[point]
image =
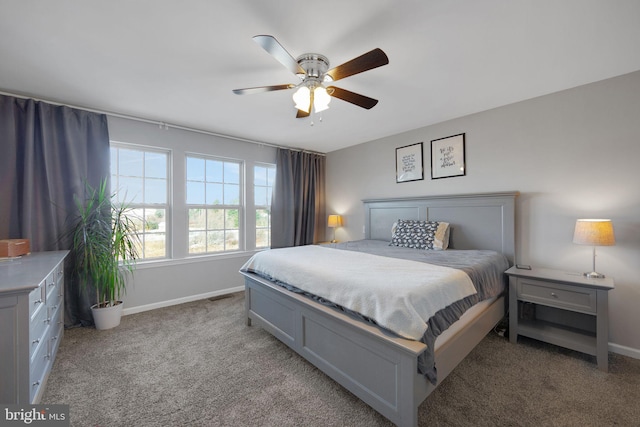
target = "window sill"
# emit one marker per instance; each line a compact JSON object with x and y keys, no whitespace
{"x":145,"y":264}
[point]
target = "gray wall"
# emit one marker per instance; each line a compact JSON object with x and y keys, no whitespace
{"x":572,"y":154}
{"x":160,"y":283}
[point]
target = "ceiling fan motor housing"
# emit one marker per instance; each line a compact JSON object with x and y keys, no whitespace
{"x":314,"y":65}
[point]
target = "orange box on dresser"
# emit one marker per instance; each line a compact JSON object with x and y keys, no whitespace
{"x":14,"y":247}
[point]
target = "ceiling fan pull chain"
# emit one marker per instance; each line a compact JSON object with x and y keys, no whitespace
{"x":313,"y":115}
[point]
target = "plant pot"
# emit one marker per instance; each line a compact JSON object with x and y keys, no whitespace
{"x":107,"y":317}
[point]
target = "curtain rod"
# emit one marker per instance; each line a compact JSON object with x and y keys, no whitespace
{"x":164,"y":125}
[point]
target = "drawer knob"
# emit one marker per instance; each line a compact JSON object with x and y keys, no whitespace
{"x":38,"y":302}
{"x":553,"y":294}
{"x":37,"y":383}
{"x":35,"y":341}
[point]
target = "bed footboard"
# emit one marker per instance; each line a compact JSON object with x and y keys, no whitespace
{"x":378,"y":367}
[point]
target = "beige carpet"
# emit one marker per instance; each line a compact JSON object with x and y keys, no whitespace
{"x":197,"y":364}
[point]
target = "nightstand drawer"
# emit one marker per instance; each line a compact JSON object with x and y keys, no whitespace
{"x":558,"y":295}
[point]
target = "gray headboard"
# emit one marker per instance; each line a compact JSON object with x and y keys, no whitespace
{"x":478,"y":221}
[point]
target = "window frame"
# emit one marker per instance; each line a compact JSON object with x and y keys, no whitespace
{"x":267,"y":207}
{"x":240,"y":207}
{"x":167,"y":206}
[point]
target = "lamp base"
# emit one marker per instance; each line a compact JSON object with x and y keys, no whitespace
{"x":594,"y":275}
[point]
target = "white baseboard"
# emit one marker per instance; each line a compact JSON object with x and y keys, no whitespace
{"x":625,"y":351}
{"x":147,"y":307}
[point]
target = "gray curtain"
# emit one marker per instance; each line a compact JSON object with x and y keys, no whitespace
{"x":298,"y":205}
{"x":48,"y":153}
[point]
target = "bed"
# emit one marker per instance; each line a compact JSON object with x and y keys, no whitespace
{"x":380,"y":367}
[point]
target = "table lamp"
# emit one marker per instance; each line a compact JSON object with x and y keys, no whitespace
{"x":594,"y":232}
{"x":333,"y":222}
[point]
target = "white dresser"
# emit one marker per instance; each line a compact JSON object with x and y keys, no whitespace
{"x":31,"y":323}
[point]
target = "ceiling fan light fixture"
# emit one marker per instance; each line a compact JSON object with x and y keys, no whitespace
{"x":321,"y":99}
{"x":304,"y":95}
{"x":302,"y":98}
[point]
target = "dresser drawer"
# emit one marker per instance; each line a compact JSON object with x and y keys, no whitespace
{"x":37,"y":330}
{"x":56,"y":334}
{"x":36,"y":299}
{"x":54,"y":300}
{"x":557,"y":295}
{"x":56,"y":316}
{"x":39,"y":366}
{"x":54,"y":281}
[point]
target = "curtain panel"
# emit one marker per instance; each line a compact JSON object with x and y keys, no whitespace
{"x":48,"y":154}
{"x":298,"y":205}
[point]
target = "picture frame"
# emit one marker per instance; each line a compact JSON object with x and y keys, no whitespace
{"x":448,"y":157}
{"x":409,"y":165}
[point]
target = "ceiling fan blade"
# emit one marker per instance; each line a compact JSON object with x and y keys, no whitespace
{"x":275,"y":49}
{"x":302,"y":114}
{"x":352,"y":97}
{"x":261,"y":89}
{"x":368,"y":61}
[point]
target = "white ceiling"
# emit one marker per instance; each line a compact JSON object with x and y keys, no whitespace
{"x":177,"y":61}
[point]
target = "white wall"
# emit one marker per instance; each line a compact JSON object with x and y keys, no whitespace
{"x":161,"y":283}
{"x":572,"y":154}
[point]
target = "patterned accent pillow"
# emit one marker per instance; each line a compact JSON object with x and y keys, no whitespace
{"x":429,"y":235}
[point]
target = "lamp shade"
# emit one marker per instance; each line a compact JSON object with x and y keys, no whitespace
{"x":302,"y":98}
{"x":321,"y":99}
{"x":334,"y":221}
{"x":594,"y":232}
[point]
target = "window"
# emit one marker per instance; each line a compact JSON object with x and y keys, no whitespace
{"x":214,"y":207}
{"x":263,"y":179}
{"x":139,"y":177}
{"x":219,"y":211}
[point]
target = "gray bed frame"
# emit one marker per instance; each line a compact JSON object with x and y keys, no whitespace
{"x":378,"y":367}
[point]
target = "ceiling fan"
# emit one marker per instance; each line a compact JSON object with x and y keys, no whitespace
{"x":313,"y":70}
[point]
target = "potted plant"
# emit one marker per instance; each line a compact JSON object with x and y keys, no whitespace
{"x":103,"y":250}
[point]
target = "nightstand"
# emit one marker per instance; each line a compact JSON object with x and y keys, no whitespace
{"x":561,"y":308}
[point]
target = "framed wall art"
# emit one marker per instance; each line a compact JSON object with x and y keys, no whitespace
{"x":447,"y":157}
{"x":409,"y":163}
